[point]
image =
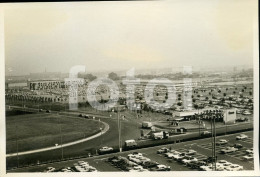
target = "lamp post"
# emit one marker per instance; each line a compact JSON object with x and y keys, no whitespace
{"x":17,"y":156}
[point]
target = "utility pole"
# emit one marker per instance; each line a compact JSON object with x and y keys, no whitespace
{"x":212,"y":149}
{"x":16,"y":146}
{"x":61,"y":141}
{"x":215,"y":143}
{"x":119,"y":130}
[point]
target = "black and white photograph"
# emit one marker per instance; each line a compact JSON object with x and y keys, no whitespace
{"x":169,"y":87}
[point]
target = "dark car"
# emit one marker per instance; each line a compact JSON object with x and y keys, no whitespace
{"x":150,"y":164}
{"x":238,"y":145}
{"x":48,"y":111}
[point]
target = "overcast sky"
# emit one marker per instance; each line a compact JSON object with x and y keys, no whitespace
{"x":122,"y":35}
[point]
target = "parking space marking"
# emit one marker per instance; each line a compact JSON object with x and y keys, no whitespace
{"x":237,"y":155}
{"x":248,"y":140}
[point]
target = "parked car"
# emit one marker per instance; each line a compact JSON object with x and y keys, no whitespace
{"x":234,"y":167}
{"x":161,"y":168}
{"x":228,"y":150}
{"x":238,"y":145}
{"x":162,"y":150}
{"x":188,"y":159}
{"x":221,"y":142}
{"x":206,"y":133}
{"x":246,"y":113}
{"x":150,"y":164}
{"x":241,"y":137}
{"x":250,"y":151}
{"x":48,"y":111}
{"x":248,"y":157}
{"x":105,"y":149}
{"x":190,"y":152}
{"x":50,"y":169}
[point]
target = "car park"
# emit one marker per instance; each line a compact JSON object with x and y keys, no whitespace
{"x":241,"y":137}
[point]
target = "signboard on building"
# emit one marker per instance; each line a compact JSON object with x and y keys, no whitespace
{"x":230,"y":116}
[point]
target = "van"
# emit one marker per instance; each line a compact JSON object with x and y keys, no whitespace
{"x":130,"y":143}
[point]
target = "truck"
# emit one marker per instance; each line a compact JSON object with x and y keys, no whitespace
{"x":147,"y":125}
{"x":160,"y":135}
{"x":130,"y":143}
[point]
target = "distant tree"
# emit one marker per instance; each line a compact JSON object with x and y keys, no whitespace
{"x":250,"y":101}
{"x":234,"y":92}
{"x":179,"y":95}
{"x":224,"y":94}
{"x":113,"y":76}
{"x":196,"y":106}
{"x":207,"y":98}
{"x":219,"y":91}
{"x":193,"y":100}
{"x":210,"y":102}
{"x":242,"y":90}
{"x":198,"y":95}
{"x":179,"y":103}
{"x":250,"y":93}
{"x":89,"y":77}
{"x":230,"y":98}
{"x":179,"y":99}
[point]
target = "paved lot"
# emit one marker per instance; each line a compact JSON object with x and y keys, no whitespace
{"x":202,"y":147}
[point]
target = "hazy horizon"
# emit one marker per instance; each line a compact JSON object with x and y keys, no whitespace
{"x":107,"y":36}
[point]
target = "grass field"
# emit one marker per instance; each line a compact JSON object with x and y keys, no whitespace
{"x":34,"y":131}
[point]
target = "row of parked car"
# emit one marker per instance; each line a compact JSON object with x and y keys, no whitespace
{"x":136,"y":162}
{"x":82,"y":166}
{"x":206,"y":164}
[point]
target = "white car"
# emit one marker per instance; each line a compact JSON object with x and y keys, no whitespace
{"x":177,"y":156}
{"x":187,"y":160}
{"x":136,"y":154}
{"x":241,"y":137}
{"x":206,"y":168}
{"x":228,"y":150}
{"x":246,"y":113}
{"x":50,"y":169}
{"x":106,"y":149}
{"x":234,"y":167}
{"x":222,"y":161}
{"x":221,"y":142}
{"x":250,"y":151}
{"x":248,"y":157}
{"x":169,"y":155}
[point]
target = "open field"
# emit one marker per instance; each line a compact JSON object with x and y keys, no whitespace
{"x":34,"y":131}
